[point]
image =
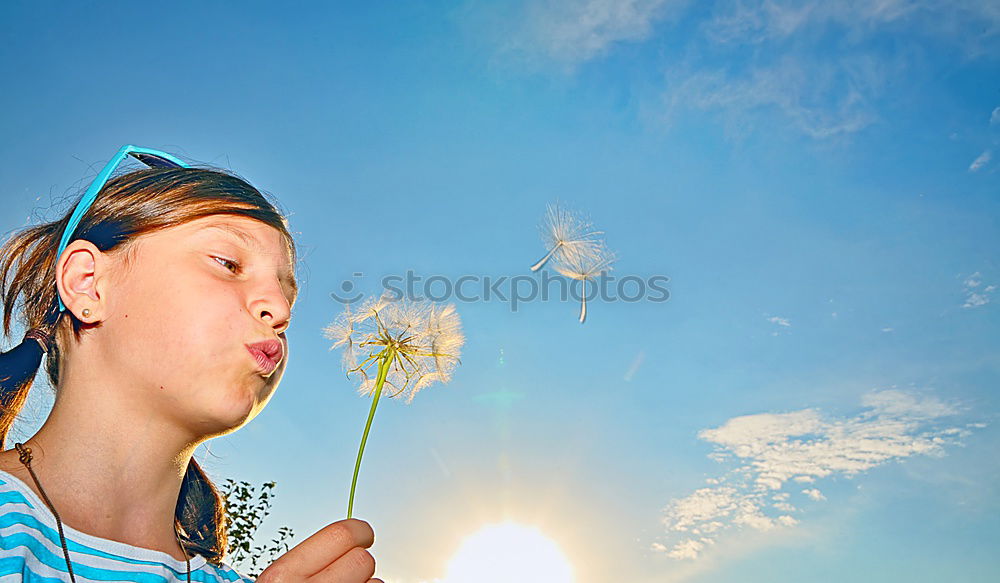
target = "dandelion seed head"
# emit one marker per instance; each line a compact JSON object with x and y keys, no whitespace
{"x":403,"y":318}
{"x":424,"y":339}
{"x":371,"y":306}
{"x":565,"y":227}
{"x":444,"y":339}
{"x":341,"y":330}
{"x":577,"y":250}
{"x":585,"y":262}
{"x":343,"y":333}
{"x":564,"y":231}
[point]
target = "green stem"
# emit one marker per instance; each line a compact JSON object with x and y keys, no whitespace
{"x":383,"y":370}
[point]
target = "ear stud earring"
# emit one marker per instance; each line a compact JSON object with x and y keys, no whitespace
{"x":86,"y":312}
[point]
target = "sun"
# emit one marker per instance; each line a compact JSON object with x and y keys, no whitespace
{"x":507,"y":552}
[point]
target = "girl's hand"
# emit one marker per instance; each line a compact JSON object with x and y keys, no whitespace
{"x":335,"y":554}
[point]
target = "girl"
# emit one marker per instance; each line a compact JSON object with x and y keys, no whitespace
{"x":160,"y":305}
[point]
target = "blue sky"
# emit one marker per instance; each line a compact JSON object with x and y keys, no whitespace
{"x":816,"y":400}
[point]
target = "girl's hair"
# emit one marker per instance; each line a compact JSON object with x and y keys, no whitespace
{"x":128,"y":206}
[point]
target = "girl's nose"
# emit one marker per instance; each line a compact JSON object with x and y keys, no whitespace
{"x":279,"y":324}
{"x":273,"y":308}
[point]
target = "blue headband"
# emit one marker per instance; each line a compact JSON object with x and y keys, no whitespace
{"x":151,"y":158}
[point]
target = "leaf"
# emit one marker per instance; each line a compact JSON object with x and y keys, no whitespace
{"x":245,"y":511}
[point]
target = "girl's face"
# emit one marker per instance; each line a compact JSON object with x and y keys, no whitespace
{"x":178,"y":320}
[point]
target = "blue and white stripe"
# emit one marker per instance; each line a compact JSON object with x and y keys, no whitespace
{"x":30,"y":550}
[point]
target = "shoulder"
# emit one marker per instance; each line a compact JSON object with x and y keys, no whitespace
{"x":10,"y":462}
{"x":16,"y":498}
{"x":10,"y":465}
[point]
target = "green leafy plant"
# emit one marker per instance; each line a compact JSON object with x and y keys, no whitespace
{"x":245,"y":510}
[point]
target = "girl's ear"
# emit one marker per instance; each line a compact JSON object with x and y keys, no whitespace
{"x":81,"y":274}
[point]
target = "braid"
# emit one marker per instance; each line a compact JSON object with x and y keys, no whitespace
{"x":200,"y":511}
{"x":17,"y":371}
{"x":25,"y":261}
{"x":18,"y":367}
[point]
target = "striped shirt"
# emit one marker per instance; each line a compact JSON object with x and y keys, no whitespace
{"x":30,"y":550}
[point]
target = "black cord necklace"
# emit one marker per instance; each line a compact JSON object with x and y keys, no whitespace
{"x":26,"y":460}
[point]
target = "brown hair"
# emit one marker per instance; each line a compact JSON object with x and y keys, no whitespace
{"x":129,"y":205}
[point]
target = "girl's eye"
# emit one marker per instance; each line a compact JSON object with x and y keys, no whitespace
{"x":226,"y":262}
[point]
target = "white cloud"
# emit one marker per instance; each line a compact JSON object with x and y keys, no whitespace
{"x":770,"y":450}
{"x":688,"y":549}
{"x":975,"y":300}
{"x":820,"y":98}
{"x":975,"y":297}
{"x":982,"y":160}
{"x":576,"y":31}
{"x":995,"y":116}
{"x":901,"y":405}
{"x":758,"y":21}
{"x":821,"y":90}
{"x":572,"y":32}
{"x":779,"y":321}
{"x":698,"y":512}
{"x":968,"y":23}
{"x":814,"y":493}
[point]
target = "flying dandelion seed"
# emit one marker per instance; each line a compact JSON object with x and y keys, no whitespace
{"x":584,"y":264}
{"x":408,"y":345}
{"x":341,"y":331}
{"x":565,"y":232}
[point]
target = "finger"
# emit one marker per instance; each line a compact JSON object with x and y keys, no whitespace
{"x":356,"y":566}
{"x":323,"y":548}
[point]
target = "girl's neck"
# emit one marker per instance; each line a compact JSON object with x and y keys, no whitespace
{"x":10,"y":463}
{"x":105,"y":482}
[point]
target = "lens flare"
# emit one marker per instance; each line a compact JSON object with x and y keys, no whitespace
{"x":506,"y":552}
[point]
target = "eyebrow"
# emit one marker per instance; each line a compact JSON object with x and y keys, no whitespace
{"x":254,"y":243}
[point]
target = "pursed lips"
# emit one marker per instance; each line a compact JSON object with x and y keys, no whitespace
{"x":267,"y":354}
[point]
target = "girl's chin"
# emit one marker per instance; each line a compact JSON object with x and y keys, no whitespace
{"x":238,"y":407}
{"x":225,"y":424}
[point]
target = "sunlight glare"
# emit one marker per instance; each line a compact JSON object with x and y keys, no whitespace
{"x":506,"y":552}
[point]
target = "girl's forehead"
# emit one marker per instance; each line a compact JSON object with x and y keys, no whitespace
{"x":253,"y":234}
{"x":235,"y":223}
{"x":256,"y":236}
